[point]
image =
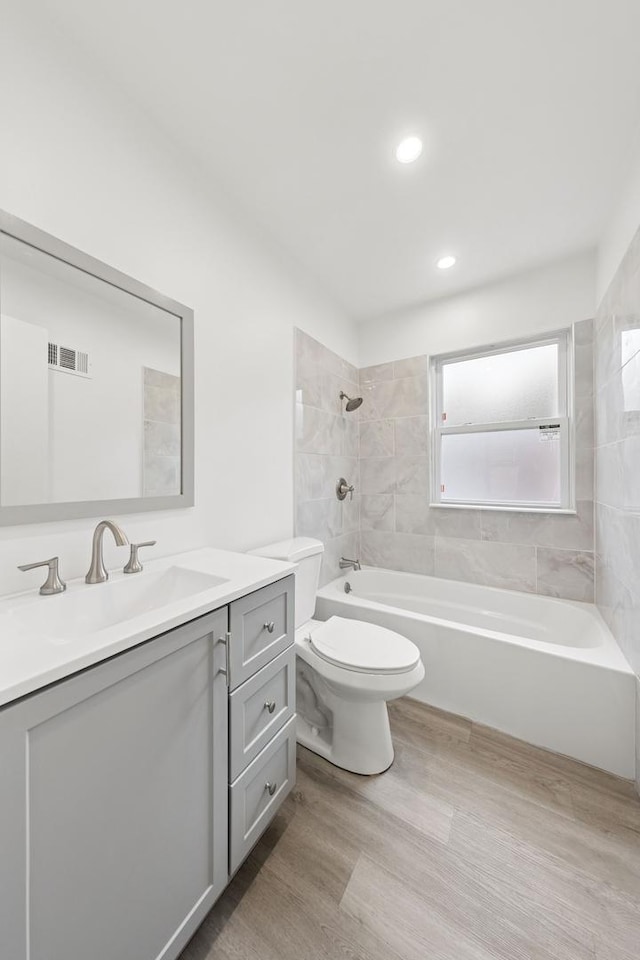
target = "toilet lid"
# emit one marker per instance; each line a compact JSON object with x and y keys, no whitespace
{"x":365,"y":647}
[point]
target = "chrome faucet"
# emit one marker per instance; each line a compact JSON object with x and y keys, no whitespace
{"x":97,"y":572}
{"x":344,"y":563}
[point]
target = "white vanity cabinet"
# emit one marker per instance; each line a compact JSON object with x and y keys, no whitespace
{"x":116,"y":789}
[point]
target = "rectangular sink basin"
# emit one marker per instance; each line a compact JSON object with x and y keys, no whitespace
{"x":84,"y":610}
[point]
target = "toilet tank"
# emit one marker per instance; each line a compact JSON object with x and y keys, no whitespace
{"x":307,"y":553}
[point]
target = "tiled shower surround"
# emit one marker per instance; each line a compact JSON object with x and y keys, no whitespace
{"x":617,"y":379}
{"x":326,"y":449}
{"x":543,"y":553}
{"x":161,"y":425}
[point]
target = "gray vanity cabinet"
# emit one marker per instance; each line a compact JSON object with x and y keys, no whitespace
{"x":122,"y":810}
{"x":114,"y":803}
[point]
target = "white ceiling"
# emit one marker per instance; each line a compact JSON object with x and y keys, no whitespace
{"x":528,"y":110}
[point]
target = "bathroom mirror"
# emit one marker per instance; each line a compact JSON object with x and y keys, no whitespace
{"x":96,"y":386}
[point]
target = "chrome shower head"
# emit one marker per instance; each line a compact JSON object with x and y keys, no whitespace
{"x":352,"y":402}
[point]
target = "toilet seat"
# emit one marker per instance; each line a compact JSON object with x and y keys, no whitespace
{"x":363,"y":647}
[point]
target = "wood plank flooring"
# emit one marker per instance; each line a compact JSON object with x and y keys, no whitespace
{"x":473,"y":846}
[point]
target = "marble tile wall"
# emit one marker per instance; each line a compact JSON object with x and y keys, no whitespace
{"x":538,"y":553}
{"x":384,"y":450}
{"x":162,"y":475}
{"x":617,"y":384}
{"x":326,"y":448}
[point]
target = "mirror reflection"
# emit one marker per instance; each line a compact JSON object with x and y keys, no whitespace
{"x":90,"y":386}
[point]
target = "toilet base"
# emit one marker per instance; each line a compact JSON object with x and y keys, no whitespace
{"x":358,"y":738}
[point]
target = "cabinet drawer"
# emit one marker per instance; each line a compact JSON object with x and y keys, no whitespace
{"x":262,"y":626}
{"x":258,"y":708}
{"x":258,"y":792}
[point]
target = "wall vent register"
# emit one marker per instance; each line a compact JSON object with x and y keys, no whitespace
{"x":68,"y":360}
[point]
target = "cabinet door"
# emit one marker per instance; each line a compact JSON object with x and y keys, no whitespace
{"x":113,"y":800}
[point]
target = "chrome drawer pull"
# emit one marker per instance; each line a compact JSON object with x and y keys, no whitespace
{"x":271,"y":787}
{"x":227,"y":665}
{"x":270,"y":705}
{"x":270,"y":626}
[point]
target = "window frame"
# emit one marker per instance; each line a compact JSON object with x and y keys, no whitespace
{"x":437,"y":429}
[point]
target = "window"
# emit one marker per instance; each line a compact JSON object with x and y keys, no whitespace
{"x":501,"y":430}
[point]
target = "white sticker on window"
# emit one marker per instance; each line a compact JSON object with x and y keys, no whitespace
{"x":549,"y":431}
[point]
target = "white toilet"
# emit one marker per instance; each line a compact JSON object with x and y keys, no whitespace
{"x":346,"y":670}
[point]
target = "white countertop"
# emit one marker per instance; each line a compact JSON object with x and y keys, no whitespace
{"x":32,"y":656}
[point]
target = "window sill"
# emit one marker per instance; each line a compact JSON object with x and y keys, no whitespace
{"x":560,"y":511}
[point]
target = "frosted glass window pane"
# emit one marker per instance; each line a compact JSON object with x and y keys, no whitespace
{"x":629,"y":344}
{"x":503,"y":466}
{"x":631,"y":385}
{"x":506,"y":386}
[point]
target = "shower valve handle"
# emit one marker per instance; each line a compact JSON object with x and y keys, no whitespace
{"x":343,"y":488}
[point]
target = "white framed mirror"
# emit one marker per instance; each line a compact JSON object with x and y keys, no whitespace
{"x":96,"y":386}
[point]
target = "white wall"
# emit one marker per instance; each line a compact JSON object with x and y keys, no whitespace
{"x":79,"y":161}
{"x":620,"y":228}
{"x":545,"y":299}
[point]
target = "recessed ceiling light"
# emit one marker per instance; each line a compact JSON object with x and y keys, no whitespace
{"x":409,"y":150}
{"x":445,"y":262}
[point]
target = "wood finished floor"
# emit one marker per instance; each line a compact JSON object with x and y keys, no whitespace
{"x":473,"y":846}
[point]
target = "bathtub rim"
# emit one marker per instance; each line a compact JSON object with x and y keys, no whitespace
{"x":606,"y":655}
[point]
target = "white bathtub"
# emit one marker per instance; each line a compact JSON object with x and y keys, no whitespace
{"x":546,"y":671}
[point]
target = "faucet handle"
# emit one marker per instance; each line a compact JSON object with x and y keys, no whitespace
{"x":134,"y":565}
{"x":53,"y":584}
{"x":343,"y":488}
